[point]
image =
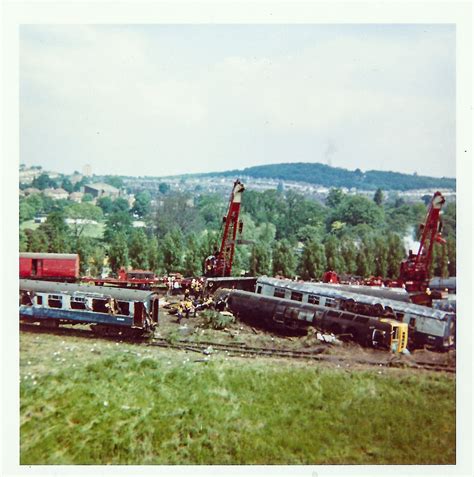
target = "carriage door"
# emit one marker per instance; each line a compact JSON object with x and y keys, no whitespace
{"x":138,"y":314}
{"x":154,"y":308}
{"x":36,"y":267}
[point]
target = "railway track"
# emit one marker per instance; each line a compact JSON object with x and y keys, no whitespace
{"x":208,"y":348}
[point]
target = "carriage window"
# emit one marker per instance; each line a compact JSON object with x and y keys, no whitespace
{"x":347,"y":316}
{"x":55,"y":301}
{"x":39,"y":300}
{"x":279,"y":293}
{"x":26,"y":298}
{"x":123,"y":308}
{"x":330,"y":303}
{"x":313,"y":299}
{"x":259,"y":289}
{"x":297,"y":296}
{"x":100,"y":306}
{"x":78,"y":303}
{"x":362,"y":319}
{"x":412,"y":321}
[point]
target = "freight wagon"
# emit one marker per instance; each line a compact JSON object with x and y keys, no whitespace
{"x":50,"y":266}
{"x":426,"y":325}
{"x":284,"y":314}
{"x":103,"y":307}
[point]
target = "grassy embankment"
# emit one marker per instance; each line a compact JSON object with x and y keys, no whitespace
{"x":96,"y":402}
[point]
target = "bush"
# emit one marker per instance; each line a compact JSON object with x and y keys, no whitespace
{"x":215,"y":320}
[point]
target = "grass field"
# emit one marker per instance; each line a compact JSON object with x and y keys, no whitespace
{"x":92,"y":230}
{"x":103,"y":402}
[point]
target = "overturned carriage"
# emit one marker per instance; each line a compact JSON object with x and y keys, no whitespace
{"x":105,"y":307}
{"x":285,"y":314}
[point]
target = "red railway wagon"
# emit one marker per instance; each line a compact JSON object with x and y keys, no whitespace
{"x":50,"y":266}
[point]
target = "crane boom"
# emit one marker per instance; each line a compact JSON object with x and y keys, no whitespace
{"x":220,"y":263}
{"x":414,"y":270}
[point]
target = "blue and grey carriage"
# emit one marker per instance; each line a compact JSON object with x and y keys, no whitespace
{"x":104,"y":307}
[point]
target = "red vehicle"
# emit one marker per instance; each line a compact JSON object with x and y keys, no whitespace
{"x":61,"y":267}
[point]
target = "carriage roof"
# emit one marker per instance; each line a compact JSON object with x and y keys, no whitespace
{"x":333,"y":292}
{"x":85,"y":290}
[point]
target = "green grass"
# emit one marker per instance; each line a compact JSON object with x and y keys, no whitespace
{"x":92,"y":230}
{"x":124,"y":405}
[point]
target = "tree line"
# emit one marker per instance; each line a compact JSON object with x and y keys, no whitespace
{"x":289,"y":234}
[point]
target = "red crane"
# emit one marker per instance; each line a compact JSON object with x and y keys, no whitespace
{"x":220,"y":263}
{"x":414,"y":270}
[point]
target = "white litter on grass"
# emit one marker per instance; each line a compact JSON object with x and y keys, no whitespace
{"x":106,"y":403}
{"x":34,"y":383}
{"x":29,"y":362}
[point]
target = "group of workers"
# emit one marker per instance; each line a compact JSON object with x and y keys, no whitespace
{"x":194,"y":300}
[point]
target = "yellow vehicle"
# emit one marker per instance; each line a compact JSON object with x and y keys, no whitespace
{"x":398,"y":335}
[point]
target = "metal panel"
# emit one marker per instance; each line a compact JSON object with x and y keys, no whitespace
{"x":89,"y":290}
{"x":44,"y":313}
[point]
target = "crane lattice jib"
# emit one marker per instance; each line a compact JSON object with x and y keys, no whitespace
{"x":230,"y":229}
{"x":430,"y":233}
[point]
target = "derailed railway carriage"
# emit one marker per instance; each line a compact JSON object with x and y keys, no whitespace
{"x":284,"y":314}
{"x":426,"y":325}
{"x":103,"y":307}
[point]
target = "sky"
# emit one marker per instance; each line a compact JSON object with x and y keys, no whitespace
{"x":159,"y":100}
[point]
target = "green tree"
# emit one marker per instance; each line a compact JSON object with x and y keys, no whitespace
{"x":138,"y":250}
{"x":163,"y":187}
{"x":57,"y":231}
{"x":349,"y":256}
{"x":23,"y":241}
{"x":117,"y":222}
{"x":356,"y":210}
{"x":334,"y":259}
{"x":284,"y":261}
{"x":155,"y":258}
{"x":121,"y":205}
{"x":87,"y":197}
{"x":37,"y":240}
{"x":451,"y":249}
{"x":106,"y":204}
{"x":260,"y":259}
{"x":141,"y":206}
{"x":118,"y":252}
{"x":27,"y":212}
{"x":66,"y":184}
{"x":396,"y":253}
{"x":193,"y":259}
{"x":334,"y":198}
{"x":43,"y":181}
{"x":173,"y":251}
{"x":82,"y":215}
{"x":378,"y":197}
{"x":313,"y":260}
{"x":381,"y":256}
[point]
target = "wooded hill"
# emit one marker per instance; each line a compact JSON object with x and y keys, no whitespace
{"x":324,"y":175}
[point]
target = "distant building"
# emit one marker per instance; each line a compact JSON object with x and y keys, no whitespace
{"x":56,"y":193}
{"x":101,"y":189}
{"x":76,"y":196}
{"x":31,"y":190}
